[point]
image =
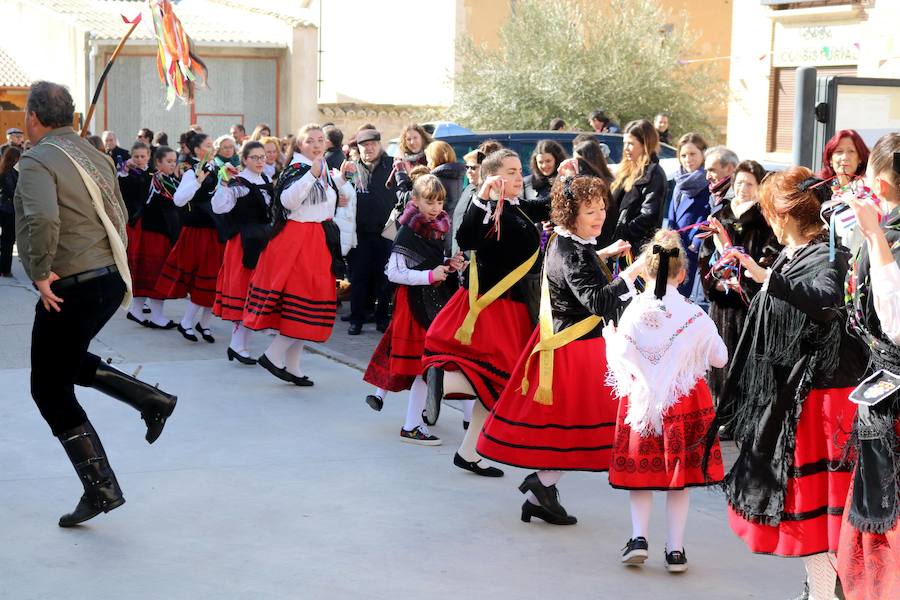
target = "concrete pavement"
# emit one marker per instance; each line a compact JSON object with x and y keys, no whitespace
{"x":261,"y":490}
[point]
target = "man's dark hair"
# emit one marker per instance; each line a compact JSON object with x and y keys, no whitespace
{"x":161,"y":139}
{"x":145,"y":133}
{"x":240,"y":128}
{"x":600,"y":115}
{"x":52,"y":104}
{"x":557,"y":124}
{"x":335,"y":136}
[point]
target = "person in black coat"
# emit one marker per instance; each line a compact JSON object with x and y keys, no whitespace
{"x":374,"y":202}
{"x":639,"y":189}
{"x":118,"y":154}
{"x":9,"y":178}
{"x":334,"y":140}
{"x":545,"y":161}
{"x":442,"y":162}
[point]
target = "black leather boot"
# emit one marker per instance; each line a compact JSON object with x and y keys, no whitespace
{"x":154,"y":405}
{"x":435,"y":395}
{"x":101,"y":490}
{"x":548,"y":496}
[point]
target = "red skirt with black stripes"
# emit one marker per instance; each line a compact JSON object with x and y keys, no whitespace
{"x":817,"y":484}
{"x":292,"y":289}
{"x":500,"y":335}
{"x":397,"y":359}
{"x":233,"y":282}
{"x":575,"y":432}
{"x":672,"y":460}
{"x":193,"y":266}
{"x":147,"y":253}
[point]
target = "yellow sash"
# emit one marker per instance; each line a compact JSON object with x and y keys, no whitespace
{"x":550,"y":341}
{"x":476,"y":304}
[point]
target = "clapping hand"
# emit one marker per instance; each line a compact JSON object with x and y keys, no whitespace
{"x":568,"y":167}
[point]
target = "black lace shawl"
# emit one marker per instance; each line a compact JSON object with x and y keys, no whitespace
{"x":875,"y":505}
{"x":425,"y":301}
{"x":790,"y":344}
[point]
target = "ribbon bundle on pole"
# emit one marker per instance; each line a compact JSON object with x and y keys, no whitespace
{"x":177,"y":62}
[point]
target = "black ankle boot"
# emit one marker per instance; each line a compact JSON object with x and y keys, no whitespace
{"x":548,"y":496}
{"x":101,"y":490}
{"x":435,"y":395}
{"x":154,"y":405}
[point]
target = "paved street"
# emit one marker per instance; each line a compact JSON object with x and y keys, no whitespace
{"x":261,"y":490}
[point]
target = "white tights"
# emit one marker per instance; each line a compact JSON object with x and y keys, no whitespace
{"x":821,"y":575}
{"x":189,"y":320}
{"x":156,"y":311}
{"x":286,"y":352}
{"x":416,"y":404}
{"x":678,"y":503}
{"x":239,"y":339}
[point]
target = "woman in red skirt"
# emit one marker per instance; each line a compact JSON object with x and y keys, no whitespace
{"x":660,"y":352}
{"x":150,"y":240}
{"x":557,"y":413}
{"x":292,"y":290}
{"x":246,"y":198}
{"x":473,"y":344}
{"x":135,"y":179}
{"x":869,"y":550}
{"x":789,"y":381}
{"x":418,"y":267}
{"x":193,"y":264}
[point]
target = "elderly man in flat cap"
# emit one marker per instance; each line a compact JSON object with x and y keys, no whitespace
{"x":14,"y":137}
{"x":70,"y":227}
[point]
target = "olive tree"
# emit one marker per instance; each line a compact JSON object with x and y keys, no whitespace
{"x":568,"y":57}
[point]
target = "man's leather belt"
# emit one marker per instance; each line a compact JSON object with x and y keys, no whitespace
{"x":72,"y":280}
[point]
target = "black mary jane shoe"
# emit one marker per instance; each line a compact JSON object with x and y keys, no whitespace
{"x":206,"y":334}
{"x":184,"y":333}
{"x":548,"y":496}
{"x":303,"y":381}
{"x":474,"y":467}
{"x":533,"y":510}
{"x":141,"y":322}
{"x":244,"y":360}
{"x":281,"y":373}
{"x":170,"y":325}
{"x":374,"y":402}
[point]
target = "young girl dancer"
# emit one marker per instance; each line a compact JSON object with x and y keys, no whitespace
{"x":418,"y":267}
{"x":474,"y":342}
{"x":657,"y":357}
{"x":246,"y":198}
{"x":150,"y":240}
{"x":292,"y":290}
{"x":869,"y":550}
{"x":557,"y":414}
{"x":790,"y":377}
{"x":134,"y":183}
{"x":193,"y":264}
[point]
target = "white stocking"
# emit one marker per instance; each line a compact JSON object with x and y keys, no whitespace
{"x":821,"y":575}
{"x":190,"y":315}
{"x":641,"y":504}
{"x":137,"y":308}
{"x":380,"y":392}
{"x":292,"y":358}
{"x":156,"y":312}
{"x":467,"y":448}
{"x":467,"y":406}
{"x":239,"y":338}
{"x":277,"y":350}
{"x":205,"y":317}
{"x":416,"y":404}
{"x":678,"y":503}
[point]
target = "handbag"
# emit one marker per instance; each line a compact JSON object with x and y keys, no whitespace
{"x":390,"y":228}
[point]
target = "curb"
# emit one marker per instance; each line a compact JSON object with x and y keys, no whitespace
{"x":340,"y":357}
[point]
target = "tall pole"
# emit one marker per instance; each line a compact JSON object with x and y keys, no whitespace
{"x":804,"y":117}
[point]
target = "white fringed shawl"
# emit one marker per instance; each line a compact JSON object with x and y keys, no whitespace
{"x":658,"y":352}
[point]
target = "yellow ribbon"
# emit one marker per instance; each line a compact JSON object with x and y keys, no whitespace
{"x":550,"y":341}
{"x":476,"y":304}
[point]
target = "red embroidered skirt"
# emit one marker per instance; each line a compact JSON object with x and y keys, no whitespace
{"x":501,"y":333}
{"x":232,"y":284}
{"x":147,"y":253}
{"x":292,"y":289}
{"x":575,"y":432}
{"x":672,"y":460}
{"x":815,"y":496}
{"x":398,"y":358}
{"x":869,"y":563}
{"x":193,"y":266}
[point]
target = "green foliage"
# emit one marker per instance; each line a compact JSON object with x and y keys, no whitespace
{"x":565,"y":58}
